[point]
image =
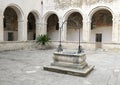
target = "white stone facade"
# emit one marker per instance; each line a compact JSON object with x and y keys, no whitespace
{"x":43,"y":9}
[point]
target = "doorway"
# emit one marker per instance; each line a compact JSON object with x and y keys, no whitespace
{"x":10,"y":36}
{"x":98,"y":40}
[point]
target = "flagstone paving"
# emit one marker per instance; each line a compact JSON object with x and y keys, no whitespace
{"x":25,"y":67}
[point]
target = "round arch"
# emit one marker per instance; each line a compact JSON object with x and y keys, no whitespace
{"x":45,"y":18}
{"x":20,"y":19}
{"x":47,"y":14}
{"x":17,"y":9}
{"x":95,"y":9}
{"x":101,"y":25}
{"x":36,"y":14}
{"x":51,"y":25}
{"x":34,"y":30}
{"x":72,"y":34}
{"x":68,"y":13}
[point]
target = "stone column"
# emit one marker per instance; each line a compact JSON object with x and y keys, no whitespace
{"x":38,"y":29}
{"x":119,"y":30}
{"x":43,"y":28}
{"x":86,"y":29}
{"x":22,"y":30}
{"x":64,"y":30}
{"x":1,"y":28}
{"x":115,"y":30}
{"x":1,"y":22}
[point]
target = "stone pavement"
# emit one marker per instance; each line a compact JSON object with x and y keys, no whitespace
{"x":25,"y":67}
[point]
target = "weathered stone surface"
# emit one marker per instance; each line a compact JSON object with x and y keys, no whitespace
{"x":16,"y":45}
{"x":69,"y":60}
{"x":63,"y":9}
{"x":26,"y":67}
{"x":70,"y":63}
{"x":78,"y":3}
{"x":76,"y":72}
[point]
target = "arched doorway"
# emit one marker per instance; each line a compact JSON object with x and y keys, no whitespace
{"x":101,"y":27}
{"x":31,"y":27}
{"x":10,"y":24}
{"x":53,"y":27}
{"x":72,"y":28}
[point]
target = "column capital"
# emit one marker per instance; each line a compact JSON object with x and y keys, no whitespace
{"x":3,"y":16}
{"x":60,"y":18}
{"x":44,"y":23}
{"x":86,"y":29}
{"x":86,"y":21}
{"x":101,"y":1}
{"x":116,"y":17}
{"x":20,"y":20}
{"x":38,"y":23}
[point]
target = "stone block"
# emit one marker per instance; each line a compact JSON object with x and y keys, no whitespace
{"x":70,"y":63}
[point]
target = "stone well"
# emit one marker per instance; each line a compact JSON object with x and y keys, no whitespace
{"x":70,"y":63}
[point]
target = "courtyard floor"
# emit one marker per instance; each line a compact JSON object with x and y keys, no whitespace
{"x":25,"y":67}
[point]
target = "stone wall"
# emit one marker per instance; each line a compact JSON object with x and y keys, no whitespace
{"x":87,"y":46}
{"x":9,"y":46}
{"x":42,"y":9}
{"x":31,"y":45}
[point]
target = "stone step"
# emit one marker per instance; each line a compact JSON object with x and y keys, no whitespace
{"x":82,"y":72}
